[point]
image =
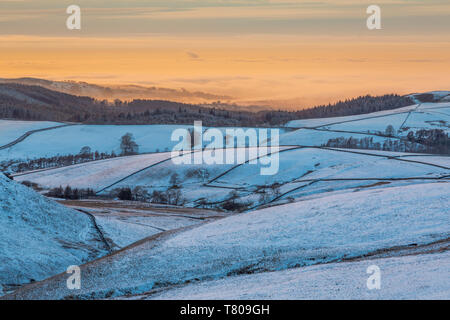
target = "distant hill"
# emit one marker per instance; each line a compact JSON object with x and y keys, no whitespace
{"x":18,"y":101}
{"x":123,"y":92}
{"x":32,"y":102}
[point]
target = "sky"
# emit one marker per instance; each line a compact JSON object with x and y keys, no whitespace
{"x":283,"y":53}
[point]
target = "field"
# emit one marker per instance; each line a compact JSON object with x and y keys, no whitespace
{"x":226,"y":231}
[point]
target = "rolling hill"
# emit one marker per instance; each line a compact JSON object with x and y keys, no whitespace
{"x":306,"y":233}
{"x":328,"y":213}
{"x":40,"y":238}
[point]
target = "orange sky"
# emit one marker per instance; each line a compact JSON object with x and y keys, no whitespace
{"x":283,"y":53}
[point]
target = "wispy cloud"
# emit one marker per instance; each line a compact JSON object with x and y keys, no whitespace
{"x":46,"y":17}
{"x":193,"y":55}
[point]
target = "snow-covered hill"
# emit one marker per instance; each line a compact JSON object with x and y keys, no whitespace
{"x":97,"y":174}
{"x":40,"y":238}
{"x":407,"y":277}
{"x":102,"y":138}
{"x":295,"y":235}
{"x":403,"y":120}
{"x":324,"y":205}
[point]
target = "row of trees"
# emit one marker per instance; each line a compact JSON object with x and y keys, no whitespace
{"x":69,"y":193}
{"x":434,"y":141}
{"x":171,"y":196}
{"x":128,"y":146}
{"x":85,"y":155}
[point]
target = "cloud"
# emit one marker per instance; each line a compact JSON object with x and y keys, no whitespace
{"x":47,"y":17}
{"x":193,"y":55}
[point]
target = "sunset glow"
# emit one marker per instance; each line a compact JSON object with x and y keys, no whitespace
{"x":288,"y":54}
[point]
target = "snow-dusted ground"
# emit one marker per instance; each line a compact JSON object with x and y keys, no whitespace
{"x":101,"y":138}
{"x":309,"y":163}
{"x":408,"y":277}
{"x":10,"y":130}
{"x":156,"y":138}
{"x":124,"y":223}
{"x":305,"y":190}
{"x":188,"y":174}
{"x":345,"y":203}
{"x":40,"y":238}
{"x":208,"y":182}
{"x":310,"y":137}
{"x":96,"y":174}
{"x":443,"y":161}
{"x":290,"y":236}
{"x":371,"y":125}
{"x":416,"y":117}
{"x":141,"y":170}
{"x":430,"y":119}
{"x":313,"y":123}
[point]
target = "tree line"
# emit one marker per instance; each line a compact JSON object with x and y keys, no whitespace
{"x":18,"y":166}
{"x":434,"y":141}
{"x":128,"y":146}
{"x":24,"y":102}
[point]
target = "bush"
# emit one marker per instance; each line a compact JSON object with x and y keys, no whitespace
{"x":125,"y":194}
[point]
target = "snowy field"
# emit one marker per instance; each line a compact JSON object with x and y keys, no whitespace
{"x":310,"y":137}
{"x":416,"y":117}
{"x":274,"y":239}
{"x":307,"y":232}
{"x":371,"y":125}
{"x":213,"y":183}
{"x":315,"y":123}
{"x":309,"y":163}
{"x":430,"y":118}
{"x":402,"y":278}
{"x":131,"y":171}
{"x":96,"y":174}
{"x":101,"y":138}
{"x":124,"y":223}
{"x":11,"y":130}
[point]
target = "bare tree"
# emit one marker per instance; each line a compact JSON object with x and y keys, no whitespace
{"x":390,"y":131}
{"x":128,"y":145}
{"x":85,"y":151}
{"x":174,"y":180}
